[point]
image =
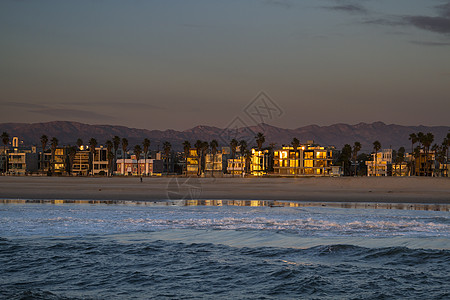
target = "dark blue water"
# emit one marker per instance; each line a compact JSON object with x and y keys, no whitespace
{"x":126,"y":252}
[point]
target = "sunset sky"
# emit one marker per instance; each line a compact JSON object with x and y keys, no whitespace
{"x":177,"y":64}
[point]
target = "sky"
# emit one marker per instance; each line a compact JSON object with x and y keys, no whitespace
{"x":175,"y":64}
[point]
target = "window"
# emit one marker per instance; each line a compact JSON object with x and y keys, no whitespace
{"x":309,"y":155}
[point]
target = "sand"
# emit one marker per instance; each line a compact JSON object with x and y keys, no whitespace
{"x":344,"y":189}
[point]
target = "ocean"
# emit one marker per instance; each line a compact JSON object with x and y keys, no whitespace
{"x":221,"y":250}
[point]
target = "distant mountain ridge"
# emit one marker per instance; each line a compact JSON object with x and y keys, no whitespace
{"x":390,"y":136}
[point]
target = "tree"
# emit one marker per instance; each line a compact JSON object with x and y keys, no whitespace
{"x":167,"y":147}
{"x":242,"y":149}
{"x":44,"y":141}
{"x":137,"y":153}
{"x":79,"y":143}
{"x":54,"y":144}
{"x":5,"y":141}
{"x":124,"y":148}
{"x":400,"y":158}
{"x":109,"y":146}
{"x":446,"y":146}
{"x":116,"y":144}
{"x":260,"y":139}
{"x":426,"y":142}
{"x":356,"y":148}
{"x":247,"y":156}
{"x":198,"y":146}
{"x":146,"y":145}
{"x":233,"y":145}
{"x":71,"y":152}
{"x":295,"y":144}
{"x":376,"y":148}
{"x":186,"y":148}
{"x":414,"y":139}
{"x":214,"y":144}
{"x":92,"y":145}
{"x":345,"y":158}
{"x":205,"y":146}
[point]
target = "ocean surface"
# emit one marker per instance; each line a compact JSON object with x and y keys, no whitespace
{"x":182,"y":251}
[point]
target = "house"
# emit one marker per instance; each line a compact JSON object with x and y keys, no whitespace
{"x":306,"y":160}
{"x":236,"y":166}
{"x":259,"y":162}
{"x":22,"y":162}
{"x":132,"y":167}
{"x":381,"y":163}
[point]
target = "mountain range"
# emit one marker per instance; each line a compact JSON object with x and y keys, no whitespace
{"x":389,"y":135}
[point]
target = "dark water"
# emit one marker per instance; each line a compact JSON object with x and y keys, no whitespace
{"x":47,"y":257}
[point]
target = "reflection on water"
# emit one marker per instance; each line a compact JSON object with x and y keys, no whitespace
{"x":253,"y":203}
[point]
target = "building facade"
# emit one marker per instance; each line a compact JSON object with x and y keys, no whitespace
{"x":307,"y":160}
{"x":381,"y":163}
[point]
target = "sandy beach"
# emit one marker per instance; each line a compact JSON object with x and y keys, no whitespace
{"x":345,"y":189}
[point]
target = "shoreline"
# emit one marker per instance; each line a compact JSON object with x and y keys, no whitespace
{"x":401,"y":190}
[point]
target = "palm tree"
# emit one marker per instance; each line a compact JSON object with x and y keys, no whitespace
{"x":54,"y":145}
{"x":124,"y":152}
{"x":71,"y":151}
{"x":116,"y":144}
{"x":260,"y":139}
{"x":214,"y":144}
{"x":5,"y":141}
{"x":199,"y":146}
{"x":356,"y":148}
{"x":167,"y":147}
{"x":233,"y":146}
{"x":401,"y":157}
{"x":186,"y":148}
{"x":446,"y":145}
{"x":109,"y":146}
{"x":44,"y":141}
{"x":242,"y":149}
{"x":92,"y":145}
{"x":376,"y":148}
{"x":137,"y":153}
{"x":247,"y":155}
{"x":146,"y":145}
{"x":295,"y":144}
{"x":414,"y":139}
{"x":79,"y":143}
{"x":205,"y":146}
{"x":426,"y":142}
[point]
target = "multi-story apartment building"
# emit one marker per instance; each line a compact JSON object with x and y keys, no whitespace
{"x":22,"y":162}
{"x":132,"y":167}
{"x":236,"y":166}
{"x":80,"y":164}
{"x":424,"y":163}
{"x":259,"y":162}
{"x":307,"y":160}
{"x":100,"y":161}
{"x":381,"y":163}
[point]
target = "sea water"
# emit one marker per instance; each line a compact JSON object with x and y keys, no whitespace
{"x":175,"y":251}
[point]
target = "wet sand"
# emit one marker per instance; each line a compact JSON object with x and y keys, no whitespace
{"x":345,"y":189}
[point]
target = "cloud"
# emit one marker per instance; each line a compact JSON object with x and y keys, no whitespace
{"x":280,"y":3}
{"x":72,"y":114}
{"x":24,"y":105}
{"x":432,"y":44}
{"x":434,"y":24}
{"x":350,"y":8}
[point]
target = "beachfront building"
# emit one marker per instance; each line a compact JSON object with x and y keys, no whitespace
{"x":132,"y":167}
{"x":215,"y":164}
{"x":424,"y":163}
{"x":192,"y":163}
{"x":22,"y":162}
{"x":259,"y":162}
{"x":307,"y":160}
{"x":100,"y":163}
{"x":80,"y":163}
{"x":381,"y":163}
{"x":236,"y":166}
